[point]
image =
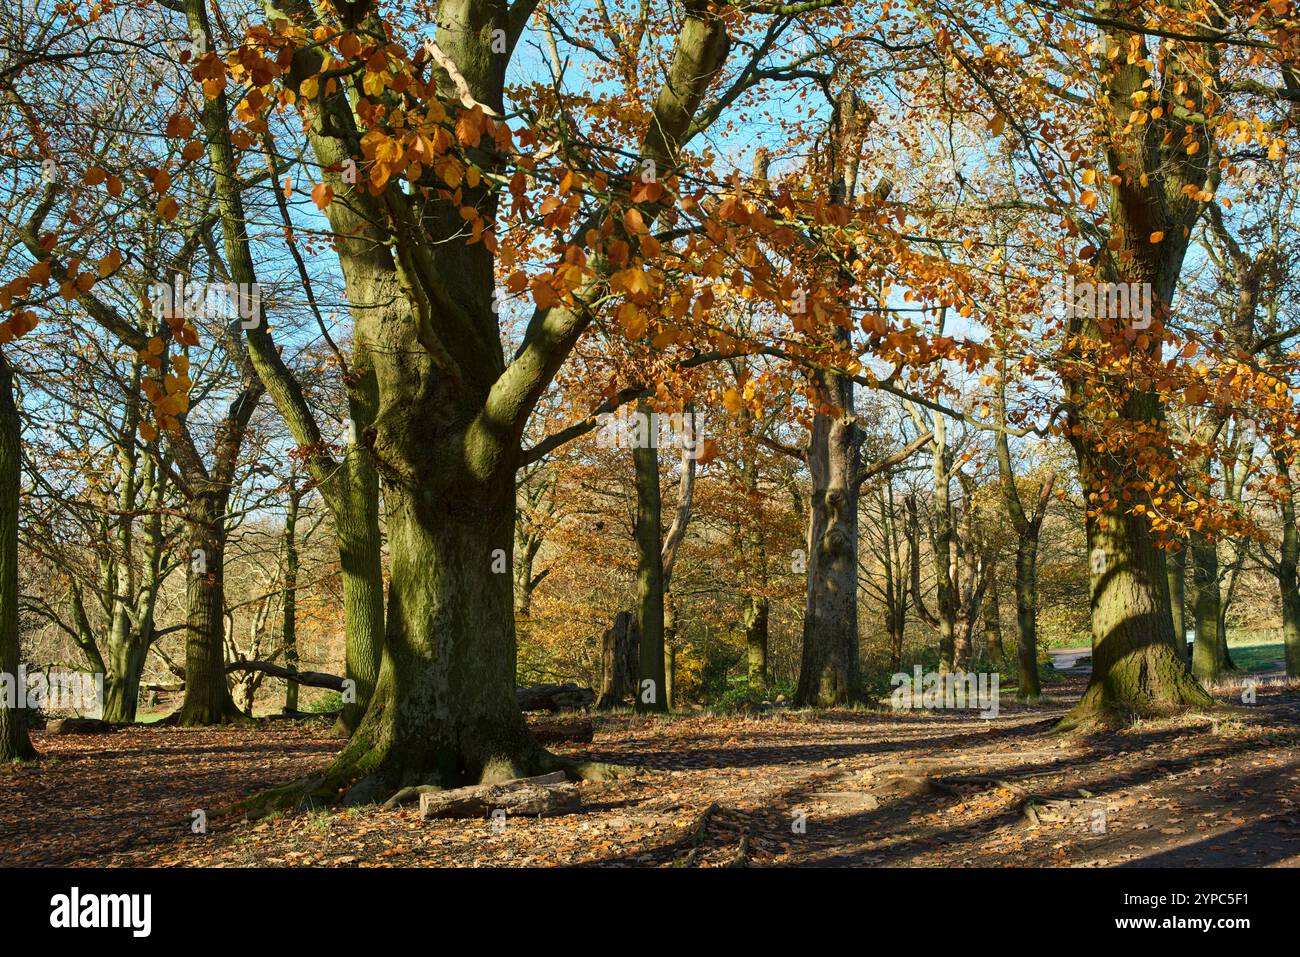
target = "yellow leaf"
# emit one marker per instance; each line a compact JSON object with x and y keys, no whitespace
{"x":109,"y":263}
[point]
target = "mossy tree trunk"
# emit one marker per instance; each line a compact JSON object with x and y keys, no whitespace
{"x":1135,"y":667}
{"x":350,"y":487}
{"x":451,"y":411}
{"x":1156,"y":182}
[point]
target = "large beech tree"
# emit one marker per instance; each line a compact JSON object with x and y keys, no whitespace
{"x":451,"y":410}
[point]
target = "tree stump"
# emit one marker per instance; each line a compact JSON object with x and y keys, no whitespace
{"x":620,"y":650}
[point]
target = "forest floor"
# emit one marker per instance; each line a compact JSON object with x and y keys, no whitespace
{"x":858,"y":788}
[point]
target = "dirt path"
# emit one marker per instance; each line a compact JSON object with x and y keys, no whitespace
{"x":787,"y":788}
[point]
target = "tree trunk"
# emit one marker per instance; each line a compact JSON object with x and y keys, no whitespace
{"x":755,"y":621}
{"x":1028,"y":687}
{"x":829,"y":673}
{"x":126,"y":660}
{"x":451,"y":416}
{"x":15,"y":745}
{"x":943,"y":544}
{"x":1176,"y":563}
{"x":207,"y":693}
{"x":620,"y":651}
{"x":993,"y":649}
{"x":1135,"y":667}
{"x":1204,"y":589}
{"x":444,"y":710}
{"x":289,"y":600}
{"x":1288,"y":559}
{"x":650,"y":693}
{"x":355,"y":507}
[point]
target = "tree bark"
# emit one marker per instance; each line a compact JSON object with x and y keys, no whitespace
{"x":993,"y":649}
{"x":755,"y":622}
{"x":207,"y":693}
{"x":15,"y":745}
{"x":650,"y":693}
{"x":620,"y":652}
{"x":1286,"y":568}
{"x":1028,"y":686}
{"x":829,"y":672}
{"x":289,"y":599}
{"x":1205,"y":598}
{"x":1135,"y":667}
{"x":1176,"y":563}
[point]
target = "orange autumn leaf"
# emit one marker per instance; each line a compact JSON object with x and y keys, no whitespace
{"x":322,"y":194}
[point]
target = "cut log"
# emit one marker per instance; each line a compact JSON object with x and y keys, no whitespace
{"x":544,"y":796}
{"x":553,"y":697}
{"x":80,"y":726}
{"x":557,"y":730}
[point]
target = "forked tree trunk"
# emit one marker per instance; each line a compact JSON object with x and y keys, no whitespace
{"x":125,"y":663}
{"x":15,"y":745}
{"x":451,"y":415}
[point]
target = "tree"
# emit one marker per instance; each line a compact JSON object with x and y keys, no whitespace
{"x":1028,"y":526}
{"x":15,"y":745}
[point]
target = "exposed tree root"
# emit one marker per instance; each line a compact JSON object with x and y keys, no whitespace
{"x":1135,"y":693}
{"x":207,"y":717}
{"x":346,"y":783}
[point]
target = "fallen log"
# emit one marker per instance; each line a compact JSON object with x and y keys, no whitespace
{"x":314,"y":679}
{"x":80,"y":726}
{"x":556,"y":730}
{"x":544,"y":796}
{"x":553,"y":697}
